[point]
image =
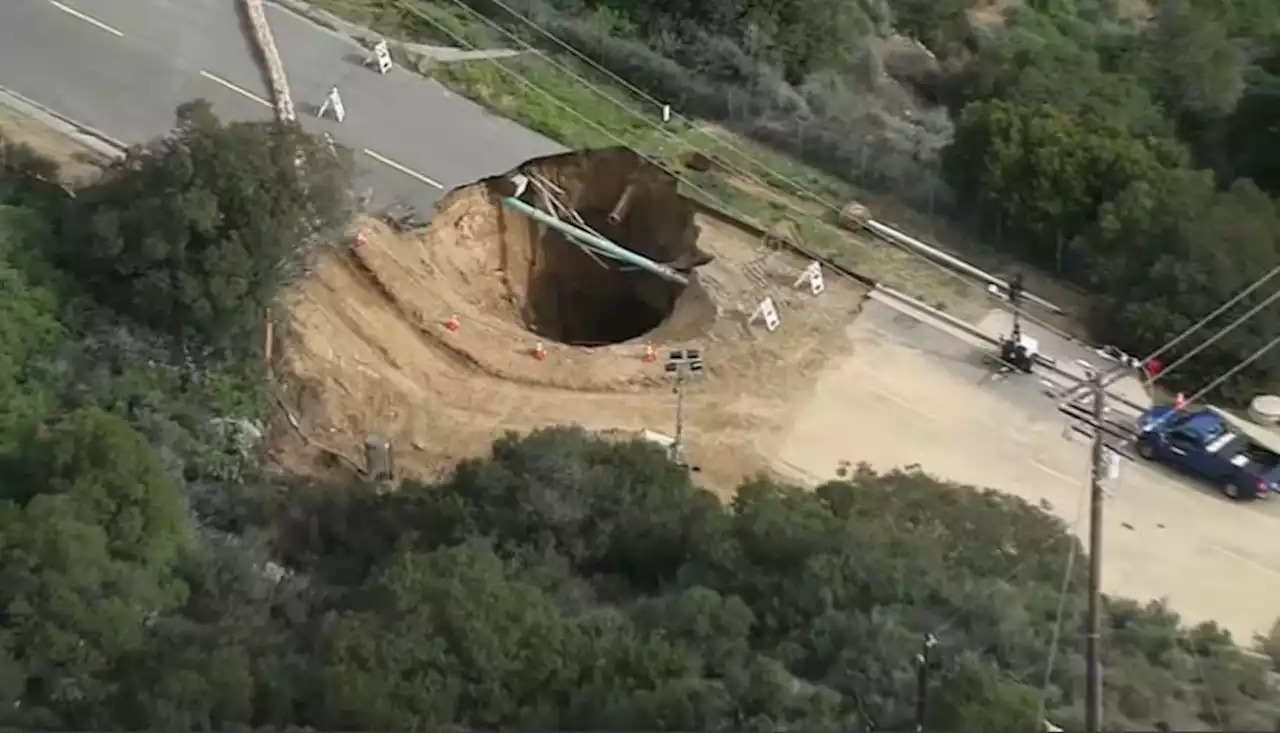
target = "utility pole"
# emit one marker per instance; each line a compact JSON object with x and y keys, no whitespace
{"x":1093,"y":637}
{"x":681,"y":363}
{"x":923,"y":666}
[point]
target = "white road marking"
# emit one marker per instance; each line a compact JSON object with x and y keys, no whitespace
{"x":1074,"y":480}
{"x":86,"y":18}
{"x":238,"y":90}
{"x":407,"y":171}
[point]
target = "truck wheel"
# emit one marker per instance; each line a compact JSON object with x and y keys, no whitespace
{"x":1145,"y":450}
{"x":1231,"y":491}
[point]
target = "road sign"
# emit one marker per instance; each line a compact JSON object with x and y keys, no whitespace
{"x":767,"y":312}
{"x":812,"y":276}
{"x":382,"y":57}
{"x":333,"y":103}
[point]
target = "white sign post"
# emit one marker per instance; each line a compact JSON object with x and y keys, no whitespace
{"x":767,"y":312}
{"x":812,"y":276}
{"x":333,"y":103}
{"x":666,"y":113}
{"x":382,"y":57}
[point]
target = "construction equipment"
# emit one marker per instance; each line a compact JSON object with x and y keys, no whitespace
{"x":1019,"y":350}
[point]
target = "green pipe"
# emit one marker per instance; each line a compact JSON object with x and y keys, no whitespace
{"x":595,"y":242}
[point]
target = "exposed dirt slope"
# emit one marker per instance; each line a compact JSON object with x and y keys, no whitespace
{"x":369,"y":353}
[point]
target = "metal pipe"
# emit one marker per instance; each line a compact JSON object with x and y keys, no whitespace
{"x":624,"y":203}
{"x":595,"y":242}
{"x":898,"y":237}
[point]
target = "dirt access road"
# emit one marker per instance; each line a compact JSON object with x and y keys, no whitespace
{"x":909,"y":393}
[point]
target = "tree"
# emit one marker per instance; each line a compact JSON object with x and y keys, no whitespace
{"x":194,"y":233}
{"x":621,"y":510}
{"x":793,"y":610}
{"x":974,"y":698}
{"x":71,"y":610}
{"x":111,"y":479}
{"x":1202,"y":67}
{"x":1253,"y":132}
{"x":1044,"y":174}
{"x":941,"y":25}
{"x":471,"y":644}
{"x":29,"y":328}
{"x":1167,"y":252}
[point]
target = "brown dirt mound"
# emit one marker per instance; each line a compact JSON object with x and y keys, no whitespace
{"x":368,"y":352}
{"x":535,"y":276}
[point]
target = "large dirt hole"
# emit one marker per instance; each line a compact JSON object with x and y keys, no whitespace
{"x":585,"y":300}
{"x":580,"y":298}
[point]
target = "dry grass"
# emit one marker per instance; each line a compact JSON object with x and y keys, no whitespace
{"x":77,"y":162}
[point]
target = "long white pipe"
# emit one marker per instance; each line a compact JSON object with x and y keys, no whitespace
{"x":596,"y":242}
{"x":893,"y":235}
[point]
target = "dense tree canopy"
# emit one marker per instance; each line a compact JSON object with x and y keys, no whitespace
{"x":193,"y":234}
{"x":569,"y":583}
{"x":152,"y":577}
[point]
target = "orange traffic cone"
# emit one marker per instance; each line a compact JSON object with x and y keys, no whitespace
{"x":650,"y":353}
{"x":539,"y":353}
{"x":452,"y":323}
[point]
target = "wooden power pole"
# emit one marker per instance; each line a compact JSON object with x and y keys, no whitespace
{"x":1093,"y":637}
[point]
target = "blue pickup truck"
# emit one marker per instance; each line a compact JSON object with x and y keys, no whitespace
{"x":1206,"y":444}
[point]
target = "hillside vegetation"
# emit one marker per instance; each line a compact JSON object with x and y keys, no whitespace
{"x":155,"y":573}
{"x":1128,"y":149}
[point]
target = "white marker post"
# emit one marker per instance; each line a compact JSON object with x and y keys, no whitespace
{"x":382,"y":57}
{"x":666,"y":113}
{"x":333,"y":102}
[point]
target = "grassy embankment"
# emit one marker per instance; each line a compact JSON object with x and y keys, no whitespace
{"x":559,"y":106}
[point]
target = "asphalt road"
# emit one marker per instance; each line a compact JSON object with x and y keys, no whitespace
{"x":122,"y":68}
{"x":914,"y":391}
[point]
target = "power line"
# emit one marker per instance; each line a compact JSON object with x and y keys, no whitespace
{"x":1094,"y":691}
{"x":1093,"y":637}
{"x":1221,"y":332}
{"x":727,"y":142}
{"x":1217,"y":312}
{"x":1233,"y":370}
{"x":675,"y":138}
{"x":1116,"y":372}
{"x":597,"y":126}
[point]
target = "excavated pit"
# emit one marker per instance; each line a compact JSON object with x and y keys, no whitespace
{"x":569,"y":295}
